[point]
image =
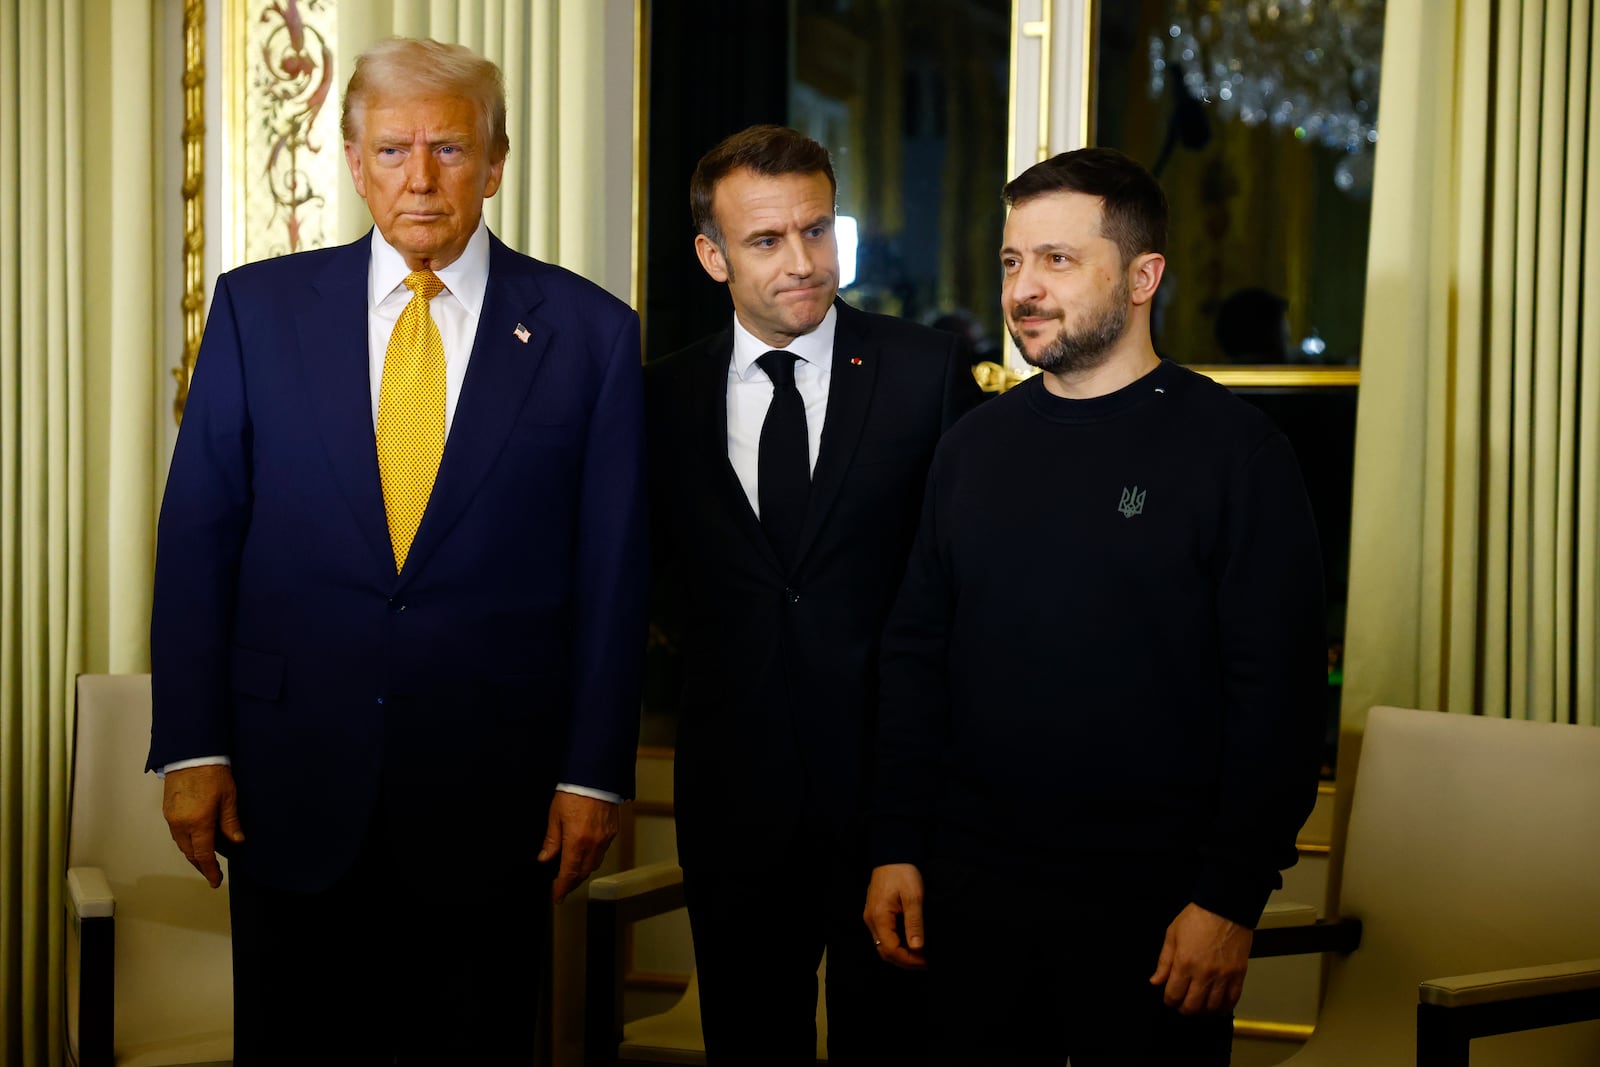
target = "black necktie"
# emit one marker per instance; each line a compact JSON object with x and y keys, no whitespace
{"x":783,"y":471}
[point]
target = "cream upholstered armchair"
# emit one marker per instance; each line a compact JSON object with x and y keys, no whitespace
{"x":1473,"y":864}
{"x":149,"y":967}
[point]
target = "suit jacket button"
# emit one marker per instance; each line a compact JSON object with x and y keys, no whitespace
{"x":792,"y":595}
{"x":396,"y":607}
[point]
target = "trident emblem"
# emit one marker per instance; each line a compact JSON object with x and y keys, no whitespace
{"x":1132,"y":502}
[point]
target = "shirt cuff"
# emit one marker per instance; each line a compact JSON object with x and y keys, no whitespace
{"x":592,"y":794}
{"x":198,"y":761}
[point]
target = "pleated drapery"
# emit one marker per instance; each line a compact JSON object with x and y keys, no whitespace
{"x":1473,"y":583}
{"x":79,"y":371}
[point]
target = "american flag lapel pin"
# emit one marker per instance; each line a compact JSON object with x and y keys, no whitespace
{"x":522,"y":333}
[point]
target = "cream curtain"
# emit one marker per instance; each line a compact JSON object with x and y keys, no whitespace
{"x":78,"y":377}
{"x":1473,"y":559}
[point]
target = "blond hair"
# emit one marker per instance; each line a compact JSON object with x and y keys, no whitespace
{"x":406,"y":68}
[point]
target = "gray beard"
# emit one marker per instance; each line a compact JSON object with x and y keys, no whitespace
{"x":1075,"y":353}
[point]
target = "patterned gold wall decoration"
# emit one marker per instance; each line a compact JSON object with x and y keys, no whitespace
{"x":282,"y":152}
{"x":283,"y":143}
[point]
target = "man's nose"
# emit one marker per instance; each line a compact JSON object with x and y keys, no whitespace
{"x":800,"y":260}
{"x":422,"y":172}
{"x":1024,"y":287}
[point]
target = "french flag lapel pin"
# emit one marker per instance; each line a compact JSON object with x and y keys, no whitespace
{"x":522,"y":333}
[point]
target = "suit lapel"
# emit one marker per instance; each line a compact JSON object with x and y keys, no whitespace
{"x":499,"y":375}
{"x":855,"y":372}
{"x":710,"y":399}
{"x":332,"y":331}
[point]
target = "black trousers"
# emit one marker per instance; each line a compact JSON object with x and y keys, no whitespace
{"x":403,"y":961}
{"x":1031,"y":970}
{"x":760,"y":927}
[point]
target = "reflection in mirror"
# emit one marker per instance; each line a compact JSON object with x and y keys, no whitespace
{"x":1262,"y":131}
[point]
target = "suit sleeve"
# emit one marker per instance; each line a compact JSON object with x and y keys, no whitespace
{"x":1272,"y":626}
{"x":205,"y":513}
{"x":914,"y":700}
{"x":611,"y":572}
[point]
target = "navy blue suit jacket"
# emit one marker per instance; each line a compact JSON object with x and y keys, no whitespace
{"x":506,"y":655}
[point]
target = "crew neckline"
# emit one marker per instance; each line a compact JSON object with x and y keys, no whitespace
{"x":1160,"y":381}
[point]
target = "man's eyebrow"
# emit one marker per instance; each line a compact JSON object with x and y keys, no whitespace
{"x":1048,"y":248}
{"x":391,"y":137}
{"x":756,"y":235}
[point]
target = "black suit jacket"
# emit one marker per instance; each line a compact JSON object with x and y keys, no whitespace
{"x":780,"y":667}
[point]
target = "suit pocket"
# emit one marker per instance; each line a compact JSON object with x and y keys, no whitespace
{"x":256,"y":674}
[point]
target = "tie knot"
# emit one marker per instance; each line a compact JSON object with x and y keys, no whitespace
{"x":424,"y":283}
{"x":780,"y":368}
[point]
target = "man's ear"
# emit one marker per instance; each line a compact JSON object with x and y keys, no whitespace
{"x":1144,"y":276}
{"x":492,"y":185}
{"x":352,"y":156}
{"x":711,"y":258}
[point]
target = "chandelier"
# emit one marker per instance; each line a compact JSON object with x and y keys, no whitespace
{"x":1309,"y":67}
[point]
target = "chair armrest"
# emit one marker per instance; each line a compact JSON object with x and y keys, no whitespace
{"x":1518,"y":983}
{"x":1452,"y":1011}
{"x":91,"y":966}
{"x":616,"y":901}
{"x":89,"y":893}
{"x":1285,"y":913}
{"x":639,"y":893}
{"x":1294,"y":930}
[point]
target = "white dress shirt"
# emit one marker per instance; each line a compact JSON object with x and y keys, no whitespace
{"x":455,"y":311}
{"x":750,"y":394}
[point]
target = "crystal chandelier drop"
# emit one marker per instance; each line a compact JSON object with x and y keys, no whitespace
{"x":1306,"y":66}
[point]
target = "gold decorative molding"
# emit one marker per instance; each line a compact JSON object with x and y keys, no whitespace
{"x":994,"y":378}
{"x":194,"y":203}
{"x":1043,"y":30}
{"x":1270,"y":1031}
{"x":1277,"y":375}
{"x":641,"y":149}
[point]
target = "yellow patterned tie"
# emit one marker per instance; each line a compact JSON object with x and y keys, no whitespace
{"x":411,"y":414}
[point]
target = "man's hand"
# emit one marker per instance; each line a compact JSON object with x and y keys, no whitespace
{"x":196,"y":802}
{"x":1203,"y":962}
{"x":579,"y":831}
{"x":896,"y":894}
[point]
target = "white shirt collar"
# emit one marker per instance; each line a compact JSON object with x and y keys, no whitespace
{"x":815,"y":348}
{"x":467,"y":279}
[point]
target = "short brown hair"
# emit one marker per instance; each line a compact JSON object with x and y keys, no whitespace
{"x":767,"y":150}
{"x":1133,"y":209}
{"x":406,"y":67}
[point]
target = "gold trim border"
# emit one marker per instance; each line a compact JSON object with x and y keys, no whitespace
{"x":194,"y":202}
{"x":1269,"y":375}
{"x":1271,"y":1031}
{"x":641,"y":151}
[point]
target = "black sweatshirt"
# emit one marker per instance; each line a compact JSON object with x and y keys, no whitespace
{"x":1109,"y":647}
